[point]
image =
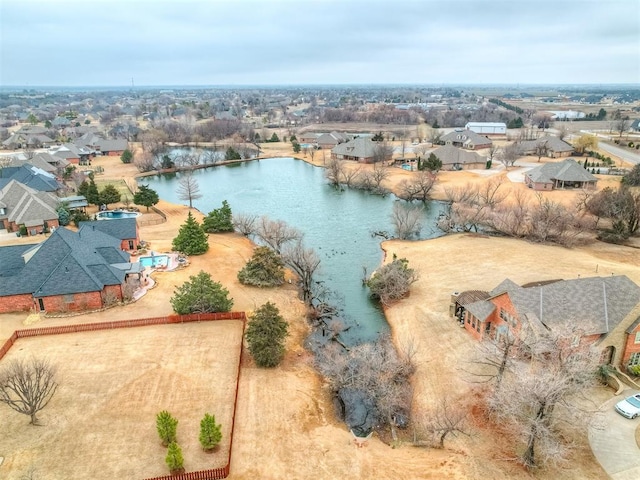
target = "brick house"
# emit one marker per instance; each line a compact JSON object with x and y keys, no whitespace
{"x":467,"y":139}
{"x":607,"y":308}
{"x":552,"y":146}
{"x":69,"y":271}
{"x":565,"y":174}
{"x":21,"y":205}
{"x":361,"y":149}
{"x":454,"y":158}
{"x":124,"y":229}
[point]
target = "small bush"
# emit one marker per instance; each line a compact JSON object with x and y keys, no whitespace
{"x":630,"y":145}
{"x":634,"y":370}
{"x":174,"y":458}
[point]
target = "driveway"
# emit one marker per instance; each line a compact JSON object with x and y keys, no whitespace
{"x":612,"y":439}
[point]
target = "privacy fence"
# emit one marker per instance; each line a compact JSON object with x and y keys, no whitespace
{"x":211,"y":474}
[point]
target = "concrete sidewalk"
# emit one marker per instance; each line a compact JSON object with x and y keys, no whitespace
{"x":612,"y":440}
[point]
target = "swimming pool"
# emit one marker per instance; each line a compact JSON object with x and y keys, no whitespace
{"x":111,"y":214}
{"x":154,"y":261}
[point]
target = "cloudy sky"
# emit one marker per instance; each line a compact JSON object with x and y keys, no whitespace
{"x":292,"y":42}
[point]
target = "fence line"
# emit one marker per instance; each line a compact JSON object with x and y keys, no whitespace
{"x":210,"y":474}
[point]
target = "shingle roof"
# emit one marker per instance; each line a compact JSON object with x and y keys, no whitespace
{"x":358,"y":147}
{"x":567,"y":171}
{"x":553,"y":144}
{"x":481,"y":309}
{"x":68,"y":262}
{"x":450,"y":155}
{"x":121,"y":228}
{"x":26,"y":205}
{"x":598,"y":303}
{"x":466,"y":137}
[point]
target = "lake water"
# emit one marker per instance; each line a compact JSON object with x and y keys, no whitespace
{"x":338,"y":224}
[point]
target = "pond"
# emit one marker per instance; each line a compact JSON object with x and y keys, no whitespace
{"x":338,"y":224}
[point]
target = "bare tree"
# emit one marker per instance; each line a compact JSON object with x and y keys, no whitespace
{"x":421,"y":151}
{"x":446,"y":419}
{"x":434,"y":136}
{"x":622,"y":125}
{"x":334,"y":171}
{"x":144,"y":162}
{"x":382,"y":152}
{"x":188,"y":189}
{"x":304,"y":262}
{"x":350,"y":175}
{"x":392,"y":281}
{"x":245,"y":223}
{"x":379,"y":174}
{"x":276,"y":233}
{"x":492,"y":152}
{"x":561,"y":366}
{"x":407,"y":220}
{"x":509,"y":155}
{"x":541,"y":150}
{"x":28,"y":386}
{"x":418,"y":187}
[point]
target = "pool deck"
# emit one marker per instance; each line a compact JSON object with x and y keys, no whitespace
{"x":147,"y":281}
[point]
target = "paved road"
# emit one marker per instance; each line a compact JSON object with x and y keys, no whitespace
{"x":612,"y":439}
{"x":623,"y":153}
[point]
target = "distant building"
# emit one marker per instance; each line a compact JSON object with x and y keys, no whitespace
{"x":487,"y":128}
{"x":466,"y":139}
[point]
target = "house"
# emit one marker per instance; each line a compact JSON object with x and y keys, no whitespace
{"x":308,"y":137}
{"x":124,"y":229}
{"x":27,"y":140}
{"x":330,"y":140}
{"x":72,"y":153}
{"x":30,"y":176}
{"x":635,"y":125}
{"x":69,"y":271}
{"x":454,"y":158}
{"x":467,"y":139}
{"x":75,"y":202}
{"x":605,"y":308}
{"x":360,"y":149}
{"x":112,"y":147}
{"x":21,"y":205}
{"x":565,"y":174}
{"x":552,"y":147}
{"x":487,"y":128}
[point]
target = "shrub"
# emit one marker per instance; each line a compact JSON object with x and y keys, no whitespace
{"x":174,"y":458}
{"x":634,"y":370}
{"x":630,"y":144}
{"x":219,"y":220}
{"x":392,"y":281}
{"x":210,"y":433}
{"x":264,"y":269}
{"x":166,"y":426}
{"x":201,"y":295}
{"x":266,"y":333}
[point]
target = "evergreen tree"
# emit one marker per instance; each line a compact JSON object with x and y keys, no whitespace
{"x":174,"y":458}
{"x":64,"y":215}
{"x":219,"y":220}
{"x":167,"y":427}
{"x":92,"y":194}
{"x":274,"y":138}
{"x":109,"y":194}
{"x":266,"y":334}
{"x":127,"y":156}
{"x":191,"y":239}
{"x":210,"y":433}
{"x":232,"y":154}
{"x":145,"y":196}
{"x":264,"y":269}
{"x":200,"y":294}
{"x":296,"y":147}
{"x":83,"y":189}
{"x":293,"y":139}
{"x":432,"y":163}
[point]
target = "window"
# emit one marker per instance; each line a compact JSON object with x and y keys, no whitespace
{"x":635,"y":359}
{"x":637,"y":340}
{"x":503,"y":314}
{"x":68,"y":298}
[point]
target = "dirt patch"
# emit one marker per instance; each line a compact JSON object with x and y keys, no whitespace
{"x":101,"y":421}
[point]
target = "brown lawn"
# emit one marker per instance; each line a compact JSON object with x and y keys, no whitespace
{"x":286,"y":427}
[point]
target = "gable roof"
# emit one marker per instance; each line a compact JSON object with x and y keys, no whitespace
{"x":26,"y":205}
{"x":450,"y":155}
{"x":598,"y":303}
{"x":566,"y":171}
{"x":68,"y":262}
{"x":553,"y":144}
{"x":466,"y":137}
{"x":31,"y":176}
{"x":358,"y":147}
{"x":120,"y":228}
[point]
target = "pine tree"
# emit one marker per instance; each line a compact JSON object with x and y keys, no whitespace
{"x":191,"y":239}
{"x":167,"y":427}
{"x":210,"y":433}
{"x":174,"y":458}
{"x":219,"y":219}
{"x":201,"y":295}
{"x":145,"y":196}
{"x":264,"y":269}
{"x":266,"y":333}
{"x":92,"y":194}
{"x":109,"y":194}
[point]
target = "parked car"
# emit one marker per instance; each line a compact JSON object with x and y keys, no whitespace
{"x":629,"y":407}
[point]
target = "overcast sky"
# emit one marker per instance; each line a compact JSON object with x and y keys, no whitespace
{"x":292,"y":42}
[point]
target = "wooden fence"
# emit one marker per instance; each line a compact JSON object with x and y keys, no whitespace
{"x":211,"y":474}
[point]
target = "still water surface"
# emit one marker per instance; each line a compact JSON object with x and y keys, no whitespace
{"x":337,"y":224}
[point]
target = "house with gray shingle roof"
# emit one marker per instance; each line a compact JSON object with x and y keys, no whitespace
{"x":359,"y":149}
{"x":454,"y":158}
{"x":467,"y":139}
{"x":565,"y":174}
{"x":69,"y":271}
{"x":21,"y":205}
{"x":602,"y":308}
{"x":124,"y":229}
{"x":552,"y":147}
